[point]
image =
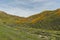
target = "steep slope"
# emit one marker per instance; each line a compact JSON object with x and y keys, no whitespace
{"x":46,"y":20}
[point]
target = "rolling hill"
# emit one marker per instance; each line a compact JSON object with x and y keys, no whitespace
{"x":46,"y":20}
{"x":42,"y":26}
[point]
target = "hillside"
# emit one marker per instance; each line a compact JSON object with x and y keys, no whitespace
{"x":42,"y":26}
{"x":46,"y":20}
{"x":11,"y":20}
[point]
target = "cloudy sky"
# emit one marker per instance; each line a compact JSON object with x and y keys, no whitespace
{"x":28,"y":7}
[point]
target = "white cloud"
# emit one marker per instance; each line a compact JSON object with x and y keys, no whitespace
{"x":16,"y":10}
{"x":38,"y":0}
{"x":33,"y":0}
{"x":46,"y":5}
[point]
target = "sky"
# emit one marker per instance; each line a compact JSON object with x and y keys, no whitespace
{"x":26,"y":8}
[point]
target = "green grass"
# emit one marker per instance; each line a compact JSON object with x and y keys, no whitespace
{"x":8,"y":33}
{"x":23,"y":33}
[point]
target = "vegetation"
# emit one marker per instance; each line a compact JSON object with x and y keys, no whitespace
{"x":46,"y":20}
{"x":42,"y":26}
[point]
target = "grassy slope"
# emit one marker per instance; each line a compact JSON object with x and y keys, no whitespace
{"x":9,"y":33}
{"x":46,"y":20}
{"x":17,"y":28}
